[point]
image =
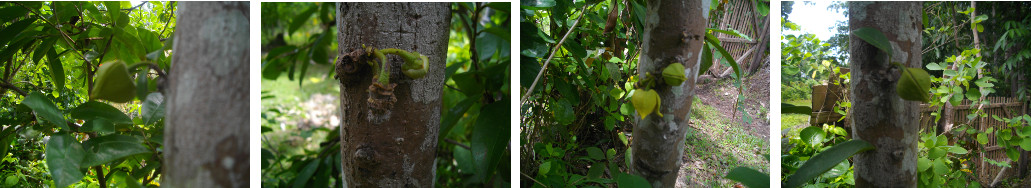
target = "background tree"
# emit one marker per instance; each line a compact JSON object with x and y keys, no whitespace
{"x":879,"y":115}
{"x":382,"y":144}
{"x":673,"y":33}
{"x":207,"y":129}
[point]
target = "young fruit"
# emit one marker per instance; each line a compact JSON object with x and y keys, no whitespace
{"x":113,"y":83}
{"x":646,"y":102}
{"x":673,"y":74}
{"x":914,"y":85}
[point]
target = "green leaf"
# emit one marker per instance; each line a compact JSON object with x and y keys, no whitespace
{"x":731,"y":32}
{"x":596,"y":170}
{"x":63,"y":156}
{"x":56,"y":69}
{"x":934,"y":66}
{"x":982,"y":138}
{"x":141,"y":81}
{"x":11,"y":12}
{"x":45,"y":109}
{"x":826,"y":160}
{"x":786,"y":108}
{"x":544,"y":168}
{"x":749,"y":177}
{"x":454,"y":114}
{"x":875,"y":38}
{"x":935,"y":153}
{"x":922,"y":164}
{"x":14,"y":29}
{"x":42,"y":49}
{"x":938,"y":165}
{"x":813,"y":136}
{"x":914,"y":85}
{"x":710,"y":39}
{"x":537,"y":4}
{"x":1025,"y":144}
{"x":630,"y":180}
{"x":956,"y":150}
{"x":153,"y":108}
{"x":106,"y":149}
{"x":93,"y":110}
{"x":563,"y":112}
{"x":489,"y":138}
{"x":305,"y":174}
{"x":609,"y":123}
{"x":706,"y":61}
{"x":595,"y":153}
{"x":126,"y":180}
{"x":98,"y":125}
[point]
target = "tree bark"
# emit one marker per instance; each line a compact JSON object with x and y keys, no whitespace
{"x":879,"y":115}
{"x":395,"y":146}
{"x":206,"y":124}
{"x":674,"y":32}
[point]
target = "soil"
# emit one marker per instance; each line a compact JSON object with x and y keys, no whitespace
{"x":706,"y":159}
{"x":722,"y":95}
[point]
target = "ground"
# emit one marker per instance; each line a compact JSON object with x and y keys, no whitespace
{"x":719,"y":140}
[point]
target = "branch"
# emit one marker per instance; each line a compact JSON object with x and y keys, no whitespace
{"x":555,"y":49}
{"x":169,"y":20}
{"x":8,"y":85}
{"x":456,"y":143}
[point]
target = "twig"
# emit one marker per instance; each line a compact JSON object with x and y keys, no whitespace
{"x":100,"y":176}
{"x":555,"y":49}
{"x":8,"y":85}
{"x":534,"y":180}
{"x":169,"y":20}
{"x":448,"y":140}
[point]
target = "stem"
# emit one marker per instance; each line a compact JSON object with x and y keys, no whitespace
{"x":555,"y":49}
{"x":383,"y":74}
{"x":100,"y":176}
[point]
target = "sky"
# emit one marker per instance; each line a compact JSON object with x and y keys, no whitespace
{"x":814,"y":18}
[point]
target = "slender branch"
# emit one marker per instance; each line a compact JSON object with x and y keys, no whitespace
{"x":65,"y":36}
{"x":8,"y":85}
{"x":169,"y":20}
{"x":555,"y":49}
{"x":534,"y":180}
{"x":100,"y":176}
{"x":448,"y":140}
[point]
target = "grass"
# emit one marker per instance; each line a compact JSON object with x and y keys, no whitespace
{"x":716,"y":144}
{"x":789,"y":123}
{"x":288,"y":91}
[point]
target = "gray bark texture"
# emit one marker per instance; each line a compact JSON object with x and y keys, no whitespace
{"x":879,"y":115}
{"x":206,"y":121}
{"x":393,"y":146}
{"x":674,"y":32}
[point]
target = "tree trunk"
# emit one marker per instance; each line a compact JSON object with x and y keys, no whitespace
{"x":206,"y":127}
{"x":673,"y":33}
{"x":879,"y":115}
{"x":393,"y":146}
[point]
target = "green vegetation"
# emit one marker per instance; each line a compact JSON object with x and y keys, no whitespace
{"x":300,"y":132}
{"x":54,"y":133}
{"x":582,"y":90}
{"x":959,"y":65}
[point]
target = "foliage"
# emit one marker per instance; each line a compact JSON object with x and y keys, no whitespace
{"x":476,"y":99}
{"x":471,"y":149}
{"x":806,"y":146}
{"x":942,"y":164}
{"x":87,"y":142}
{"x":579,"y":73}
